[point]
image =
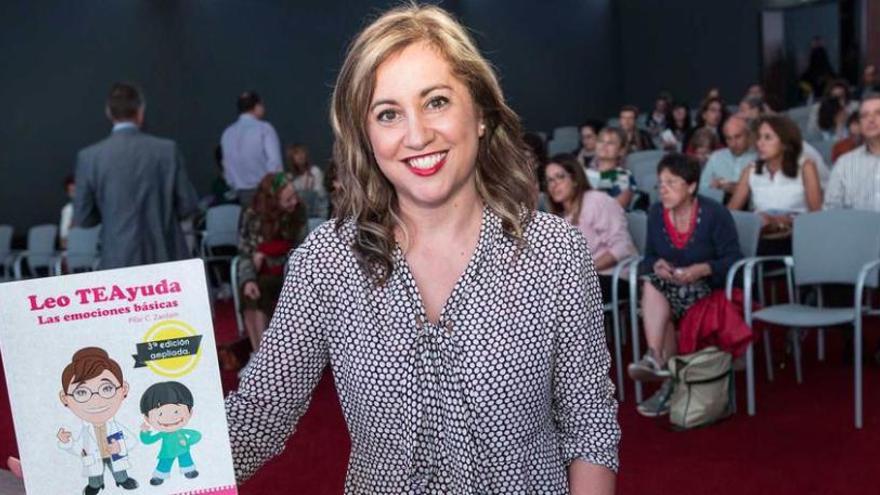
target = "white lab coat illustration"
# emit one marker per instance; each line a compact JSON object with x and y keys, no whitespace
{"x":85,"y":446}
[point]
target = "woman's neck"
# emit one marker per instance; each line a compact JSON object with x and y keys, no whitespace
{"x":455,"y":219}
{"x":774,"y":164}
{"x":682,"y":211}
{"x":605,"y":164}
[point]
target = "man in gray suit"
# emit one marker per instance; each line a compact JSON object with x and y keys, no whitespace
{"x":135,"y":186}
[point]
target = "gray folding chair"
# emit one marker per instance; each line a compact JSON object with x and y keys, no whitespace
{"x":637,"y":222}
{"x":819,"y":257}
{"x":824,"y":147}
{"x":40,"y":252}
{"x":6,"y":255}
{"x":81,"y":253}
{"x":714,"y":194}
{"x":642,"y":163}
{"x":221,"y":229}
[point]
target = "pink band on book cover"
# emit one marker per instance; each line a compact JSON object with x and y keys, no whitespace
{"x":223,"y":490}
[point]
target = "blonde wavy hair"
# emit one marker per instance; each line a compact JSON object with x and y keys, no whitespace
{"x":504,"y":176}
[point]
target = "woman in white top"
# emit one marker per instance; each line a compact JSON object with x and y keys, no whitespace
{"x":308,"y":180}
{"x":781,"y":183}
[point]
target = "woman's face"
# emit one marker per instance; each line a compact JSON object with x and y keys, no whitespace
{"x":609,"y":147}
{"x":424,"y":128}
{"x":287,"y":198}
{"x":588,"y":138}
{"x":702,"y":154}
{"x":560,"y":184}
{"x":673,"y":189}
{"x":679,"y":114}
{"x":712,"y":114}
{"x":769,"y":145}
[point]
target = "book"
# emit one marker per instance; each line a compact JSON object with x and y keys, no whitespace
{"x":114,"y":382}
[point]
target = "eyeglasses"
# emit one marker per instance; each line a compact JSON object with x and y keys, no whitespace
{"x":84,"y":394}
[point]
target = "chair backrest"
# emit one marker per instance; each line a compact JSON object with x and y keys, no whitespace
{"x":748,"y":230}
{"x":556,"y":146}
{"x":41,"y":244}
{"x":82,"y":247}
{"x":642,"y":163}
{"x":831,"y":246}
{"x":221,"y":226}
{"x":800,"y":115}
{"x":824,"y":148}
{"x":567,"y":133}
{"x":712,"y":193}
{"x":5,"y":241}
{"x":637,"y":222}
{"x":648,"y":184}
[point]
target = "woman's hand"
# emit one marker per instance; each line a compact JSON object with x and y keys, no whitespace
{"x":663,"y":269}
{"x":258,"y":259}
{"x":691,"y":274}
{"x":251,"y":290}
{"x":15,"y":466}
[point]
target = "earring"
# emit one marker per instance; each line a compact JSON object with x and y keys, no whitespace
{"x":482,"y":129}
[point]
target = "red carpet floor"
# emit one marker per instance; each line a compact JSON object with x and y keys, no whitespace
{"x":802,"y":440}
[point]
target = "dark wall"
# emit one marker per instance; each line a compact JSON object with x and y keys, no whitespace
{"x":193,"y":57}
{"x":558,"y":60}
{"x":688,"y":46}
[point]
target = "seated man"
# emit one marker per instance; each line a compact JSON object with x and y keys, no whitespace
{"x":725,"y":166}
{"x":855,"y":179}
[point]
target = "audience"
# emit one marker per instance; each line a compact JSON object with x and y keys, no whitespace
{"x":838,"y":90}
{"x":711,"y":115}
{"x":725,"y":166}
{"x":781,"y":183}
{"x":691,"y":243}
{"x":855,"y":180}
{"x":66,"y":220}
{"x":136,"y":186}
{"x":703,"y":143}
{"x":599,"y":217}
{"x":679,"y":127}
{"x":589,"y":132}
{"x":537,"y":150}
{"x":271,"y":226}
{"x":308,"y":180}
{"x":658,"y":120}
{"x":250,"y":147}
{"x":832,"y":119}
{"x":636,"y":139}
{"x":751,"y":108}
{"x":870,"y":83}
{"x":608,"y":175}
{"x":849,"y":143}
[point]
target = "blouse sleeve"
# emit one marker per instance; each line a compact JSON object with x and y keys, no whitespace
{"x":585,"y":410}
{"x":276,"y":390}
{"x":615,"y":231}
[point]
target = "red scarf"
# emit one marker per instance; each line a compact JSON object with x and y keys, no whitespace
{"x":680,"y":239}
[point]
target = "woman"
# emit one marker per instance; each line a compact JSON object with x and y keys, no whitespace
{"x":607,"y":173}
{"x":711,"y":116}
{"x":270,"y":228}
{"x":832,"y":120}
{"x":691,"y":244}
{"x":308,"y":180}
{"x":599,"y":218}
{"x":781,"y":183}
{"x":679,"y":127}
{"x":703,"y":143}
{"x":589,"y":131}
{"x":463,"y":329}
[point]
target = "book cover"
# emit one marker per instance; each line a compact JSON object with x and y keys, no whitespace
{"x":114,"y":382}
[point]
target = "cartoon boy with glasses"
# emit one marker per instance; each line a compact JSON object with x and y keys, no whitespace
{"x":93,"y":389}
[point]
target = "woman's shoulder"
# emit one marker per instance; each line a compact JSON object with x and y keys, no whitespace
{"x":328,"y":245}
{"x":547,"y":228}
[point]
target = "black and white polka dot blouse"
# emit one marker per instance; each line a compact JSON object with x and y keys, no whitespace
{"x":499,"y":397}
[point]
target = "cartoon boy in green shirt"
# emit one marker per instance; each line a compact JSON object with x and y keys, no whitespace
{"x":167,"y":407}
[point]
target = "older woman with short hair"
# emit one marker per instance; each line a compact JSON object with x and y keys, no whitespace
{"x":691,"y":243}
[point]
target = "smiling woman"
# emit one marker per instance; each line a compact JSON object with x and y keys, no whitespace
{"x":464,"y":329}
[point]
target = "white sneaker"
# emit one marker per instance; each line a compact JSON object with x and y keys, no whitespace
{"x":647,"y":370}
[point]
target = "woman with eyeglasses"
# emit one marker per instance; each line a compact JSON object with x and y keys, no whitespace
{"x":598,"y":216}
{"x":691,"y":243}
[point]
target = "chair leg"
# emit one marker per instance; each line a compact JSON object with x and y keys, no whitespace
{"x":820,"y":344}
{"x":634,"y":333}
{"x":768,"y":355}
{"x":857,"y":364}
{"x":796,"y":346}
{"x":761,"y":297}
{"x":618,"y":352}
{"x":750,"y":380}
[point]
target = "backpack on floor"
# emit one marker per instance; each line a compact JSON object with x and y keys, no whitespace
{"x":703,"y":388}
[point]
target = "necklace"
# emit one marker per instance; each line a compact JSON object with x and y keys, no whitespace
{"x":680,"y":239}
